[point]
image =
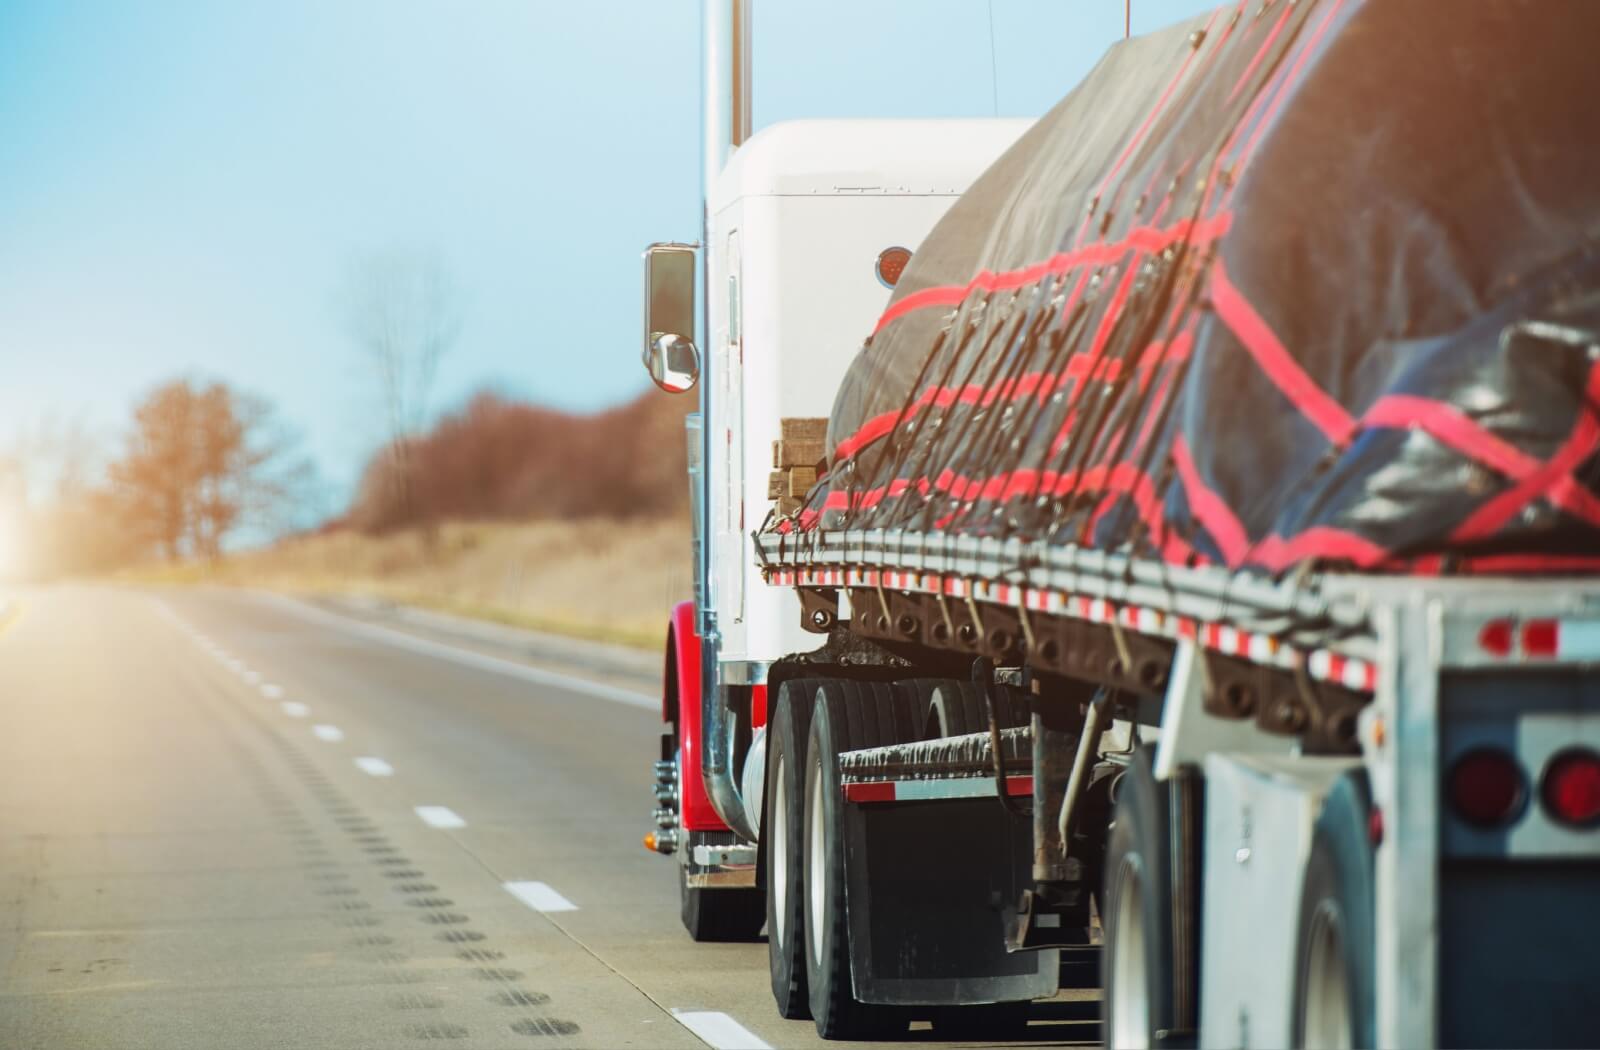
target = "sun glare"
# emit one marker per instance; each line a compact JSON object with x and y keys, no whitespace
{"x":10,"y":545}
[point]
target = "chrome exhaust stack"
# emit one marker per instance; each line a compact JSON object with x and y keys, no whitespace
{"x":725,"y":88}
{"x":726,"y":96}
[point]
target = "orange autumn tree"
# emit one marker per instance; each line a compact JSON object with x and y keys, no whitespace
{"x":202,"y":461}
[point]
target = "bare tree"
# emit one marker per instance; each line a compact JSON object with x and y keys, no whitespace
{"x":404,"y":315}
{"x":202,"y":462}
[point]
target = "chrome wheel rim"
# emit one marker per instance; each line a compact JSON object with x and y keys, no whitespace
{"x":1129,"y":1009}
{"x":1325,"y":1022}
{"x":816,"y":866}
{"x":780,"y":852}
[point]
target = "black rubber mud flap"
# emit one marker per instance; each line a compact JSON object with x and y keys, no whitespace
{"x":929,"y":887}
{"x":717,"y":914}
{"x":1338,"y":900}
{"x":844,"y":712}
{"x":787,"y":731}
{"x":1139,"y":850}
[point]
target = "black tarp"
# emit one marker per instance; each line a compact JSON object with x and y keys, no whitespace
{"x":1259,"y":292}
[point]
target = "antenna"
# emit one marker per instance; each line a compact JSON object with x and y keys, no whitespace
{"x":1127,"y":19}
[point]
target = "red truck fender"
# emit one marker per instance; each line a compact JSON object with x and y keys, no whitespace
{"x":680,"y":705}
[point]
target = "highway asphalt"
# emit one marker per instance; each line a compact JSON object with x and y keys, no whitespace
{"x":238,"y":820}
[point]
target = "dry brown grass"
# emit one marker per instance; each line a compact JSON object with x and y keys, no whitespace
{"x":596,"y":578}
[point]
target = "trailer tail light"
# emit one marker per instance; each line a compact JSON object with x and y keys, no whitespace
{"x":1569,"y":639}
{"x":1496,"y":637}
{"x":1541,"y":638}
{"x":1486,"y":788}
{"x":1571,"y":788}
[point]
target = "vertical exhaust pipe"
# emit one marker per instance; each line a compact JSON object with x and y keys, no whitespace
{"x":725,"y":84}
{"x":725,"y":94}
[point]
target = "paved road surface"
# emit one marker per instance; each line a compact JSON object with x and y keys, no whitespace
{"x":231,"y":820}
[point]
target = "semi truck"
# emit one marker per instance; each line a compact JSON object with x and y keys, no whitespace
{"x":1154,"y":548}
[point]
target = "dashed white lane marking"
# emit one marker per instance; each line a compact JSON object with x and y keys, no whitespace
{"x":539,"y":896}
{"x":719,"y":1030}
{"x":271,"y":692}
{"x":236,"y":666}
{"x":440,"y":817}
{"x":332,"y":734}
{"x":252,"y":677}
{"x":374,"y":767}
{"x":295,"y":709}
{"x":470,"y":658}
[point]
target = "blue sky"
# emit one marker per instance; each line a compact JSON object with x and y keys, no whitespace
{"x":185,"y":183}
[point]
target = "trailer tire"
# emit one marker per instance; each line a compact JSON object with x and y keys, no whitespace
{"x":847,"y":715}
{"x":718,"y":914}
{"x":782,"y":838}
{"x":1335,"y":957}
{"x":1136,"y":912}
{"x":947,"y":707}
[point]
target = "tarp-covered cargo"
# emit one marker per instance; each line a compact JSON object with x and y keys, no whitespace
{"x":1293,"y":282}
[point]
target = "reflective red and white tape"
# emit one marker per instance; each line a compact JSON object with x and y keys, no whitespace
{"x":1324,"y":665}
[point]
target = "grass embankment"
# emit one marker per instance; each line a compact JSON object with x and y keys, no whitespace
{"x":606,"y":580}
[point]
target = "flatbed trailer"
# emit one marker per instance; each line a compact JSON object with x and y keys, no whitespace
{"x":1256,"y":701}
{"x":1190,"y":588}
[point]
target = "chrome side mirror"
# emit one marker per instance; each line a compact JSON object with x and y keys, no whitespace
{"x":670,"y":355}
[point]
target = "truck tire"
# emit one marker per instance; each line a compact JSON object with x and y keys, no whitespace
{"x":718,"y":914}
{"x":847,"y":716}
{"x":1334,"y":952}
{"x":949,"y":707}
{"x":781,"y":838}
{"x":1136,"y":912}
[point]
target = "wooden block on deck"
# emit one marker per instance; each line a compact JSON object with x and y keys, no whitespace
{"x":797,"y":429}
{"x":796,"y":453}
{"x":800,"y":480}
{"x":777,"y":484}
{"x":788,"y":506}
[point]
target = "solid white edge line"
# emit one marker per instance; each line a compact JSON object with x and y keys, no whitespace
{"x":539,"y":896}
{"x":374,"y":767}
{"x":719,"y":1031}
{"x":439,"y":817}
{"x":471,"y":658}
{"x":323,"y":731}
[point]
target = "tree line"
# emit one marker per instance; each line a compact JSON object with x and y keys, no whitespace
{"x":204,"y":465}
{"x":201,"y":463}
